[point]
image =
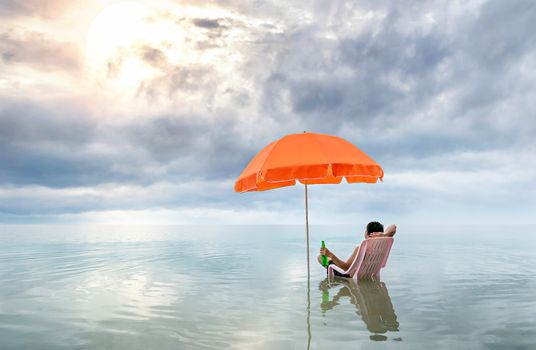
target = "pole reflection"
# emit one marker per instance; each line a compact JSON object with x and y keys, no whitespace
{"x":371,"y":300}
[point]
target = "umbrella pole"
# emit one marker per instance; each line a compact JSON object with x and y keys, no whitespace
{"x":308,"y":272}
{"x":307,"y":227}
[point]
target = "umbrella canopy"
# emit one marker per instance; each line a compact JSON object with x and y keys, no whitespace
{"x":309,"y":158}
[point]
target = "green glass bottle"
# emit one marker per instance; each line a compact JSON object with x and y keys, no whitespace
{"x":325,"y":261}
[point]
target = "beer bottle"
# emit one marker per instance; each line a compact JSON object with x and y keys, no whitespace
{"x":325,"y":261}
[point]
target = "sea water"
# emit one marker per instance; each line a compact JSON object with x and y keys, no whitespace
{"x":247,"y":287}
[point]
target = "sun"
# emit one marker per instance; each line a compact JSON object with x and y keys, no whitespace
{"x":115,"y":39}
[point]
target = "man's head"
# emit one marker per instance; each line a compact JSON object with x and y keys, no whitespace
{"x":374,"y":226}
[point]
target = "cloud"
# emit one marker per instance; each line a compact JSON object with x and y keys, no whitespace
{"x":43,"y":8}
{"x":38,"y":51}
{"x":154,"y":56}
{"x":407,"y":86}
{"x":207,"y":23}
{"x":18,"y":200}
{"x":62,"y":148}
{"x":440,"y":94}
{"x":501,"y":34}
{"x":171,"y":82}
{"x":191,"y":146}
{"x":177,"y":80}
{"x":43,"y":145}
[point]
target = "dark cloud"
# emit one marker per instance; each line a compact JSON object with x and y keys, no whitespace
{"x":21,"y":120}
{"x":502,"y":34}
{"x":38,"y":51}
{"x":215,"y":31}
{"x":207,"y":23}
{"x":44,"y":145}
{"x":375,"y":64}
{"x":63,"y":161}
{"x":193,"y":147}
{"x":61,"y":148}
{"x":378,"y":82}
{"x":154,"y":56}
{"x":422,"y":87}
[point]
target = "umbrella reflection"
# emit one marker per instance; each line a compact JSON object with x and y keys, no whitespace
{"x":371,"y":300}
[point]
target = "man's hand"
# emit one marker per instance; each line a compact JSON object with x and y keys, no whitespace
{"x":326,"y":252}
{"x":390,"y":230}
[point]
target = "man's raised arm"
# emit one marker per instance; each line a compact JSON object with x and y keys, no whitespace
{"x":389,"y":232}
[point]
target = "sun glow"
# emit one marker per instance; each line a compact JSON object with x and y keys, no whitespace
{"x":143,"y":57}
{"x":116,"y":39}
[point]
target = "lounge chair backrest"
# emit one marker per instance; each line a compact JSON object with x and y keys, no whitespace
{"x":372,"y":257}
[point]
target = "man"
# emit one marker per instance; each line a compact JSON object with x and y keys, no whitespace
{"x":374,"y":229}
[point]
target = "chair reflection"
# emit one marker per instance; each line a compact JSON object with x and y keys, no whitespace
{"x":371,"y":300}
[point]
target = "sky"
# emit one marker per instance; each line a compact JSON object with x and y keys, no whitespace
{"x":147,"y":111}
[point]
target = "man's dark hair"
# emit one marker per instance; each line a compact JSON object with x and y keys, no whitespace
{"x":374,"y":226}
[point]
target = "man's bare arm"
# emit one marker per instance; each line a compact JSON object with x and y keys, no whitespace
{"x":351,"y":258}
{"x":389,"y":232}
{"x":345,"y":265}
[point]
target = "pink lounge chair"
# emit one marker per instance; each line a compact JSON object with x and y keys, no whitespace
{"x":370,"y":258}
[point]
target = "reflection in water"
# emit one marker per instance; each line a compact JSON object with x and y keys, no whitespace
{"x":181,"y":288}
{"x":371,"y":300}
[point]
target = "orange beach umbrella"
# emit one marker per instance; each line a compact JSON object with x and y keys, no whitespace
{"x":309,"y":158}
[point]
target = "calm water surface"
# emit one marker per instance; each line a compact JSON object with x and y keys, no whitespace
{"x":246,"y":287}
